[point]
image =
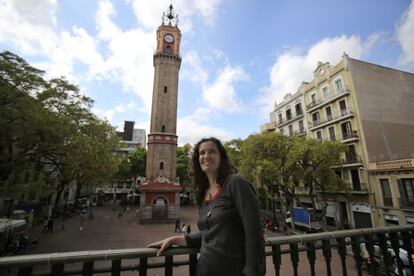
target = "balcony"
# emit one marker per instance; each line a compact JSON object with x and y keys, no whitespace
{"x":300,"y":132}
{"x":268,"y":127}
{"x":350,"y":136}
{"x":326,"y":253}
{"x":352,"y":160}
{"x":283,"y":122}
{"x":326,"y":100}
{"x":343,"y":114}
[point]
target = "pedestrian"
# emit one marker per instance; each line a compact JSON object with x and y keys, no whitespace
{"x":230,"y":235}
{"x":82,"y":220}
{"x":188,"y":229}
{"x":183,"y":228}
{"x":45,"y":225}
{"x":177,"y":226}
{"x":50,"y":225}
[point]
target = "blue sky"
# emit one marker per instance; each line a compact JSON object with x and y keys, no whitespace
{"x":238,"y":57}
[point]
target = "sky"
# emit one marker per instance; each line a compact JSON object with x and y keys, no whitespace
{"x":239,"y":57}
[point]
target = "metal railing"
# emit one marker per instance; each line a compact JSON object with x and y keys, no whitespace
{"x":324,"y":100}
{"x":378,"y":243}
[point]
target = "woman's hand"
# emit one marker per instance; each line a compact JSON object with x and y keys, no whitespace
{"x":165,"y":243}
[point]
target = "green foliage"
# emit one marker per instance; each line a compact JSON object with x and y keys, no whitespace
{"x":50,"y":137}
{"x":233,"y":149}
{"x":132,"y":166}
{"x":262,"y":196}
{"x":183,"y":165}
{"x":280,"y":164}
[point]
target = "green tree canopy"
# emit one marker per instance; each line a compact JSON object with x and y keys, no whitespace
{"x":51,"y":138}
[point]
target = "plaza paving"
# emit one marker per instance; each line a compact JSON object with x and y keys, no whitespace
{"x":107,"y":231}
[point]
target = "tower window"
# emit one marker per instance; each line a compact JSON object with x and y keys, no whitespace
{"x":165,"y":89}
{"x":167,"y":49}
{"x":161,"y":165}
{"x":163,"y":129}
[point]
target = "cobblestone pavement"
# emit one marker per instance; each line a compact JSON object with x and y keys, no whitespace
{"x":107,"y":231}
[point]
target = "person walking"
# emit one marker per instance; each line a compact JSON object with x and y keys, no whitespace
{"x":183,"y":229}
{"x":230,"y":235}
{"x":177,"y":226}
{"x":188,"y":230}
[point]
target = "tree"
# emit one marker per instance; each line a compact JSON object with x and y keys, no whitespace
{"x":233,"y":148}
{"x":316,"y":160}
{"x":50,"y":136}
{"x":138,"y":162}
{"x":183,"y":165}
{"x":267,"y":159}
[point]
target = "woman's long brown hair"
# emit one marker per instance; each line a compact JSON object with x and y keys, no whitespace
{"x":199,"y":178}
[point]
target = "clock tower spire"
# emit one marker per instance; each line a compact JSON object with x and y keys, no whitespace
{"x":160,"y":195}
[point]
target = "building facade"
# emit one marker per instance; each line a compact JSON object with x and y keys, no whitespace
{"x":288,"y":116}
{"x":369,"y":108}
{"x":131,"y":139}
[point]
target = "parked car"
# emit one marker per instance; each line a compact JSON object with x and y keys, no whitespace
{"x":379,"y":258}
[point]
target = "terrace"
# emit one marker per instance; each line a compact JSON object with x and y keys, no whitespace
{"x":343,"y":245}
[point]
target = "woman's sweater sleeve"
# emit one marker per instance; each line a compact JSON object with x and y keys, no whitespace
{"x":193,"y":240}
{"x":247,"y":205}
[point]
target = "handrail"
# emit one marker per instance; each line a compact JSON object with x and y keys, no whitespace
{"x":111,"y":254}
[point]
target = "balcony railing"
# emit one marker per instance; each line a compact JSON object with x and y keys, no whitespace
{"x":337,"y":247}
{"x":331,"y":119}
{"x":349,"y":135}
{"x":352,"y":158}
{"x":322,"y":101}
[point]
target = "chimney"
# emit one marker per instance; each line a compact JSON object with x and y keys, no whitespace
{"x":128,"y":130}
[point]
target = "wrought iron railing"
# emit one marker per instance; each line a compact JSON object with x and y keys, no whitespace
{"x":378,"y":245}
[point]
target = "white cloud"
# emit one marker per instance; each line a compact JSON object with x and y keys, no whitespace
{"x":405,"y":34}
{"x":192,"y":68}
{"x":191,"y":130}
{"x":148,"y":12}
{"x":29,"y":25}
{"x":107,"y":29}
{"x":221,"y":95}
{"x":293,"y":67}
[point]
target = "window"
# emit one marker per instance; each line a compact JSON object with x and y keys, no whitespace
{"x":406,"y":187}
{"x":338,"y":174}
{"x":313,"y":99}
{"x":290,"y":130}
{"x":165,"y":89}
{"x":356,"y":183}
{"x":315,"y":118}
{"x":338,"y":85}
{"x":301,"y":128}
{"x":328,"y":113}
{"x":346,"y":130}
{"x":163,"y":129}
{"x":167,"y":49}
{"x":332,"y":133}
{"x":298,"y":109}
{"x":161,"y":165}
{"x":325,"y":92}
{"x":342,"y":106}
{"x":386,"y":192}
{"x":319,"y":135}
{"x":280,"y":118}
{"x":288,"y":114}
{"x":351,"y":156}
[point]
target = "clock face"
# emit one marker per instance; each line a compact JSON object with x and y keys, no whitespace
{"x":168,"y":38}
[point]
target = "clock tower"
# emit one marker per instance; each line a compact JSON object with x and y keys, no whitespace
{"x":160,"y":194}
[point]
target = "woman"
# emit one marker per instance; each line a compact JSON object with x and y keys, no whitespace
{"x":231,"y":237}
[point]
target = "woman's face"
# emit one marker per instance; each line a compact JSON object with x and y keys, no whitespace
{"x":209,"y":157}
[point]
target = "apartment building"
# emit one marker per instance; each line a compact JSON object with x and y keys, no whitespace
{"x":288,"y":116}
{"x":369,"y":108}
